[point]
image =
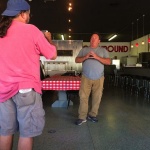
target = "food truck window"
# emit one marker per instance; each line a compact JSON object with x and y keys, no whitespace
{"x":64,"y":52}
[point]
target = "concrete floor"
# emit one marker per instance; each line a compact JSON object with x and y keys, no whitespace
{"x":124,"y":124}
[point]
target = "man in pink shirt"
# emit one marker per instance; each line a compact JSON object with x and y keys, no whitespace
{"x":21,"y":45}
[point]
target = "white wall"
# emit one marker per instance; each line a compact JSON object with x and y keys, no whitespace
{"x":131,"y":51}
{"x":119,"y":49}
{"x":141,"y":48}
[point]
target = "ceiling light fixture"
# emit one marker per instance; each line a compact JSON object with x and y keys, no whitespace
{"x":143,"y":24}
{"x":137,"y":44}
{"x":132,"y":35}
{"x":137,"y":27}
{"x":112,"y":37}
{"x":69,"y":8}
{"x":132,"y":30}
{"x":62,"y":37}
{"x":143,"y":42}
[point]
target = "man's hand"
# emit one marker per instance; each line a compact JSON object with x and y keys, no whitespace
{"x":48,"y":36}
{"x":91,"y":54}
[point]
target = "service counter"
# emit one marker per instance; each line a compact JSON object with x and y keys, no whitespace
{"x":139,"y":71}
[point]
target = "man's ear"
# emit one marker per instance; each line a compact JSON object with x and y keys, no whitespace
{"x":22,"y":15}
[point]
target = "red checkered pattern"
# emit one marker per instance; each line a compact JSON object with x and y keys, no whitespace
{"x":61,"y":83}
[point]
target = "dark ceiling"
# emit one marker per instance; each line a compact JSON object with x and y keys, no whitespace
{"x":107,"y":17}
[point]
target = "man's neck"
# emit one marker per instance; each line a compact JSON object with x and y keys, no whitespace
{"x":19,"y":19}
{"x":93,"y":46}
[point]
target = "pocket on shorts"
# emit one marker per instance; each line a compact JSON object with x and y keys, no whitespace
{"x":37,"y":120}
{"x":25,"y":99}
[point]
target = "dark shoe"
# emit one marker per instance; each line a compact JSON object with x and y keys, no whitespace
{"x":80,"y":121}
{"x":93,"y":119}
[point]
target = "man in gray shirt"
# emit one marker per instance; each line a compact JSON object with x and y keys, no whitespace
{"x":93,"y":59}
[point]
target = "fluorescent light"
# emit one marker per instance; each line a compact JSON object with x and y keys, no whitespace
{"x":62,"y":36}
{"x":112,"y":37}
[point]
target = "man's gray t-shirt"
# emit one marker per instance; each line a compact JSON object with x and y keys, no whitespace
{"x":92,"y":68}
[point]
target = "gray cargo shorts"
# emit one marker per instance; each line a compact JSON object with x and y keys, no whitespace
{"x":24,"y":113}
